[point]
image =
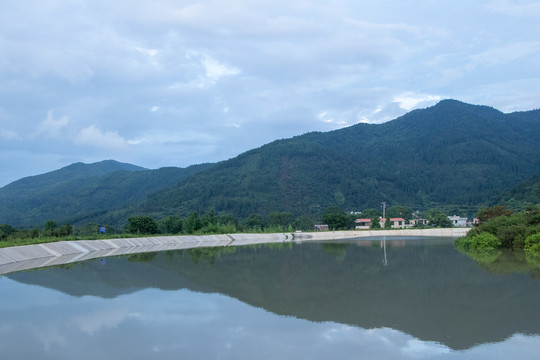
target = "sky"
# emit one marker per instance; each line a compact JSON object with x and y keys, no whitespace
{"x":178,"y":82}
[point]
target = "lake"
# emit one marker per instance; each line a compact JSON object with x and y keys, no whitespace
{"x":394,"y":298}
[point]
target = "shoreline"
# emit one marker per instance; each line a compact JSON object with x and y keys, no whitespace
{"x":26,"y":257}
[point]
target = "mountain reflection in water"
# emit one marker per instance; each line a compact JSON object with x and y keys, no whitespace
{"x":424,"y":288}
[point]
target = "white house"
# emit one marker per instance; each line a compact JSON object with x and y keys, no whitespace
{"x":458,"y":221}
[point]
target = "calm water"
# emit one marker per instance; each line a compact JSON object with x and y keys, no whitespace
{"x":400,"y":299}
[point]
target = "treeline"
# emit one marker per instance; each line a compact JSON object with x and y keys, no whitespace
{"x":211,"y":223}
{"x":208,"y":223}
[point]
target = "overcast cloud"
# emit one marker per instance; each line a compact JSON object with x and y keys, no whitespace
{"x":177,"y":82}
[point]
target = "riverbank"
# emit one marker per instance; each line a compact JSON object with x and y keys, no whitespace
{"x":27,"y":257}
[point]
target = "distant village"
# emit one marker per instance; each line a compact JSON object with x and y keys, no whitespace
{"x":401,"y":223}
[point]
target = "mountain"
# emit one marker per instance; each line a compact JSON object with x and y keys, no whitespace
{"x":452,"y":155}
{"x":76,"y":174}
{"x":80,"y":193}
{"x":525,"y":194}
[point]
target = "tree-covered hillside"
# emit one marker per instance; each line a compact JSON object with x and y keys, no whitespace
{"x":81,"y":192}
{"x":452,"y":155}
{"x":522,"y":196}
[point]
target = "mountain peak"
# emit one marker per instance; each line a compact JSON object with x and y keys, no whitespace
{"x":74,"y":171}
{"x":452,"y":104}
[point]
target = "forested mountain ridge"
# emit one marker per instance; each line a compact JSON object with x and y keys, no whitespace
{"x":77,"y":174}
{"x":525,"y":194}
{"x":452,"y":155}
{"x":80,"y":193}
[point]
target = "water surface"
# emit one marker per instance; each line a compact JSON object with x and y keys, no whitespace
{"x":399,"y":299}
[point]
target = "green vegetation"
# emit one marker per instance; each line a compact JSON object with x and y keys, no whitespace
{"x":500,"y":228}
{"x":437,"y":218}
{"x":84,"y":193}
{"x":375,"y":223}
{"x":143,"y":225}
{"x":532,"y":243}
{"x":336,"y":219}
{"x":453,"y":156}
{"x":399,"y":212}
{"x":209,"y":223}
{"x":387,"y":223}
{"x":480,"y":242}
{"x":509,"y":228}
{"x":522,"y":196}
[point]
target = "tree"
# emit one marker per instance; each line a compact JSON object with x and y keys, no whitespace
{"x":437,"y":218}
{"x":208,"y":219}
{"x":64,"y":230}
{"x":170,"y":225}
{"x":192,"y":223}
{"x":6,"y":230}
{"x":304,"y":223}
{"x":375,"y":222}
{"x":49,"y":227}
{"x":388,"y":223}
{"x":370,"y":213}
{"x":336,"y":219}
{"x":227,"y":219}
{"x":399,"y":212}
{"x":339,"y":198}
{"x":253,"y":222}
{"x":489,"y":213}
{"x":142,"y":225}
{"x":283,"y":219}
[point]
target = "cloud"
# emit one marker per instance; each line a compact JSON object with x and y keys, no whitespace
{"x":418,"y":348}
{"x":191,"y":138}
{"x":504,"y":54}
{"x":52,"y":126}
{"x":215,"y":70}
{"x":94,"y":137}
{"x":242,"y":73}
{"x":93,"y":322}
{"x":514,"y":8}
{"x":9,"y":135}
{"x":409,"y":101}
{"x":149,"y":52}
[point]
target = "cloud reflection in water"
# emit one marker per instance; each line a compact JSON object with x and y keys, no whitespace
{"x":153,"y":323}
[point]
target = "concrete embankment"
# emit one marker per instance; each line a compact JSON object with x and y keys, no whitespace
{"x":63,"y":252}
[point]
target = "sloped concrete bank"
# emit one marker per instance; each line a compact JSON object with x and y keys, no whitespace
{"x":63,"y":252}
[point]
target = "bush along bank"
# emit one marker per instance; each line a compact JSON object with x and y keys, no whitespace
{"x":498,"y":229}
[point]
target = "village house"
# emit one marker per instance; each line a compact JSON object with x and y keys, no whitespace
{"x":417,"y":222}
{"x":458,"y":221}
{"x":320,"y":227}
{"x":396,"y":223}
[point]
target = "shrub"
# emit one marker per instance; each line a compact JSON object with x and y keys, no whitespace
{"x":532,"y":243}
{"x":484,"y":242}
